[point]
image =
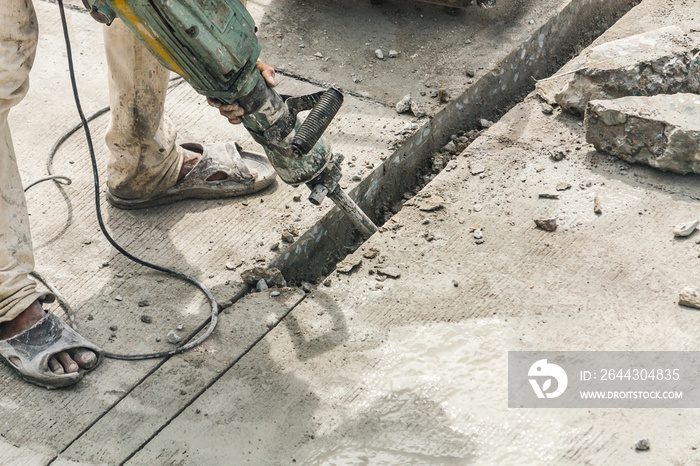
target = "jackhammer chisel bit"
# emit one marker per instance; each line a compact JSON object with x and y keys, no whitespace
{"x":212,"y":45}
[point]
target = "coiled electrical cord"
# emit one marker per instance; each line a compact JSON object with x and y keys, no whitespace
{"x":98,"y":211}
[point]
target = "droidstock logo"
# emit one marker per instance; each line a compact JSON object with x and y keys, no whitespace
{"x":541,"y":370}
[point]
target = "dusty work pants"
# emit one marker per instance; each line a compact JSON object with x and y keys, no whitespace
{"x":145,"y":159}
{"x":18,"y":39}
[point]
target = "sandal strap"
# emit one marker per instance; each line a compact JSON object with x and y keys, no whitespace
{"x":36,"y":345}
{"x":220,"y":157}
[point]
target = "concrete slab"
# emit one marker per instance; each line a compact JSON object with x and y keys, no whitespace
{"x":414,"y":369}
{"x":152,"y":404}
{"x":661,"y":131}
{"x":662,"y":61}
{"x":200,"y":238}
{"x":646,"y":17}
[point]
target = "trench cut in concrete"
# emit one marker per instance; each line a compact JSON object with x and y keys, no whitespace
{"x":509,"y":79}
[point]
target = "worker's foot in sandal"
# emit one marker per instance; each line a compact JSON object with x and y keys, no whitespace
{"x":64,"y":362}
{"x":215,"y":171}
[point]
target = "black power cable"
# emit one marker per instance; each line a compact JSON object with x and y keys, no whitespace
{"x":98,"y":211}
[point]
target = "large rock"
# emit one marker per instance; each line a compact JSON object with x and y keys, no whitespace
{"x":662,"y":131}
{"x":663,"y":61}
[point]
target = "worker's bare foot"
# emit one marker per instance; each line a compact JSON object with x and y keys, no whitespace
{"x":65,"y":362}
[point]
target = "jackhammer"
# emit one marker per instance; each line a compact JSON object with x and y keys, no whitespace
{"x":212,"y":45}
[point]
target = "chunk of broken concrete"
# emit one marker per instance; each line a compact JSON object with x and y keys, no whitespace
{"x":174,"y":338}
{"x":272,"y":276}
{"x":443,"y":96}
{"x":642,"y":445}
{"x":451,"y":147}
{"x":417,"y":109}
{"x":546,"y":224}
{"x":287,"y":237}
{"x":661,"y":131}
{"x":391,"y":272}
{"x":404,"y":105}
{"x":686,"y":229}
{"x":485,"y":124}
{"x":690,"y":296}
{"x":431,"y":204}
{"x":663,"y":61}
{"x":349,"y":264}
{"x":597,"y":209}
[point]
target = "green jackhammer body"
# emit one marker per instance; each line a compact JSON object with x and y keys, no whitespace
{"x":212,"y":45}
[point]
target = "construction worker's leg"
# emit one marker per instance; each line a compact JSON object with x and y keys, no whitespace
{"x":18,"y":39}
{"x":145,"y":159}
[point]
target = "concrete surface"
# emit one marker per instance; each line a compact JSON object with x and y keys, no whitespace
{"x":200,"y":238}
{"x":407,"y":370}
{"x":509,"y":77}
{"x":414,"y":372}
{"x":436,"y":50}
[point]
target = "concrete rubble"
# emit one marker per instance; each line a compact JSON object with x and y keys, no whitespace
{"x":546,"y":224}
{"x":663,"y":61}
{"x":409,"y":104}
{"x":349,"y":264}
{"x":404,"y":105}
{"x":690,"y":297}
{"x":686,"y":229}
{"x":642,"y":445}
{"x":261,"y":285}
{"x":174,"y":338}
{"x":271,"y":276}
{"x":661,"y":131}
{"x":597,"y":209}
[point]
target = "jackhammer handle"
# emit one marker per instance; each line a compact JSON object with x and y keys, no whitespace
{"x":317,"y":122}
